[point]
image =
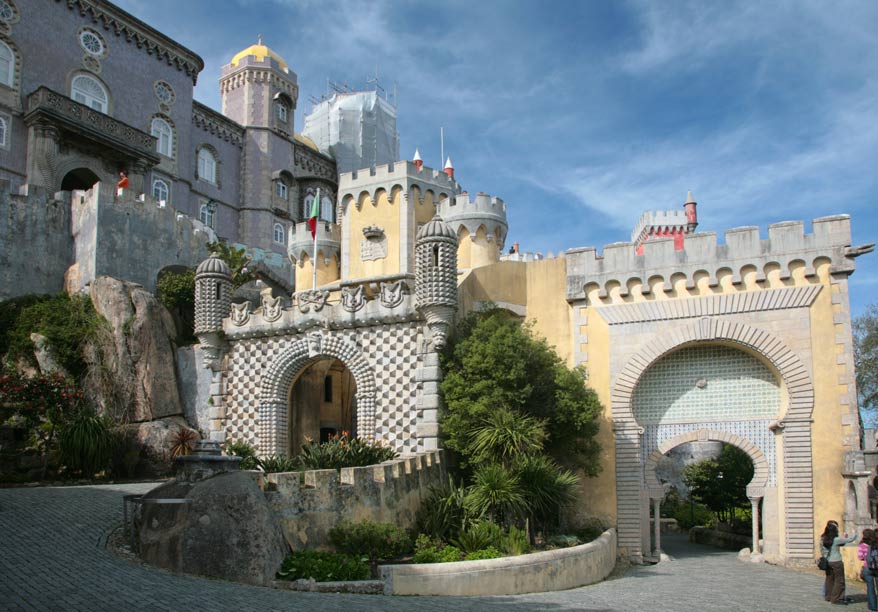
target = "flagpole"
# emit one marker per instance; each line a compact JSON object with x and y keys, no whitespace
{"x":314,"y":261}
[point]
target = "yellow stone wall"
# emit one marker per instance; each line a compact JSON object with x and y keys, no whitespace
{"x":476,"y":251}
{"x":383,"y":211}
{"x":326,"y":273}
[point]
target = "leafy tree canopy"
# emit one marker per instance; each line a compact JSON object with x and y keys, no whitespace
{"x":721,"y":483}
{"x":496,"y":367}
{"x":865,"y":328}
{"x":237,"y":259}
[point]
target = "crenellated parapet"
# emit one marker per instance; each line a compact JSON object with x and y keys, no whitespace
{"x":363,"y":303}
{"x":301,"y":244}
{"x":388,"y":177}
{"x":659,"y":221}
{"x":787,"y":247}
{"x":482,"y":211}
{"x":308,"y":504}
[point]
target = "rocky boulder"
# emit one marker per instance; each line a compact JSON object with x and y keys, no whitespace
{"x":143,"y":376}
{"x":223,"y":529}
{"x":152,"y":442}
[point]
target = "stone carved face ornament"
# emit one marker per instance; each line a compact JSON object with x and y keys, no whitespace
{"x":240,"y":313}
{"x":312,"y":299}
{"x":353,"y":298}
{"x":391,"y":294}
{"x":271,"y":308}
{"x":315,"y":344}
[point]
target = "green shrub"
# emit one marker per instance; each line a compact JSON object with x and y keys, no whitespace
{"x":515,"y":542}
{"x":86,"y":443}
{"x":322,"y":567}
{"x":563,"y":541}
{"x":247,"y":452}
{"x":691,"y":516}
{"x":377,"y":541}
{"x":430,"y":550}
{"x":485,"y":553}
{"x":443,"y":513}
{"x":176,"y":290}
{"x":272,"y":464}
{"x":342,"y":451}
{"x":479,"y":536}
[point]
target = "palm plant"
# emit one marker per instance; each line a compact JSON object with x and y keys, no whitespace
{"x":496,"y":493}
{"x":546,"y":487}
{"x":443,"y":513}
{"x":506,"y":434}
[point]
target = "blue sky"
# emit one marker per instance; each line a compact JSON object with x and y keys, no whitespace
{"x":581,"y":115}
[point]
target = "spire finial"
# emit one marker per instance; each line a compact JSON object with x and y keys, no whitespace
{"x":259,"y":39}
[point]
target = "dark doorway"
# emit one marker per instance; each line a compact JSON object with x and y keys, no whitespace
{"x":80,"y":178}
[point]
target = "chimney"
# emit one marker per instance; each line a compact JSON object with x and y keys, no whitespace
{"x":691,"y":213}
{"x":417,"y":159}
{"x":449,"y":169}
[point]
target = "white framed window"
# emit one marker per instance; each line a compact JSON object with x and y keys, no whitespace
{"x":92,"y":42}
{"x":160,"y":190}
{"x":206,"y":165}
{"x":7,"y":65}
{"x":280,"y":190}
{"x":7,"y":13}
{"x":282,"y":111}
{"x":164,"y":92}
{"x":326,"y":208}
{"x":86,"y":90}
{"x":164,"y":134}
{"x":278,"y":233}
{"x":207,"y":214}
{"x":306,"y":211}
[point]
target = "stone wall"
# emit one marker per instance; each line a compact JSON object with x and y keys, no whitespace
{"x":309,"y":505}
{"x":35,"y":243}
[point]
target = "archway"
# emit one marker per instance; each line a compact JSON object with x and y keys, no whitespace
{"x":797,"y":503}
{"x":322,"y":403}
{"x":79,"y":179}
{"x":274,"y":430}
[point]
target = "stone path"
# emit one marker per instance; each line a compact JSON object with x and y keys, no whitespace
{"x":53,"y":557}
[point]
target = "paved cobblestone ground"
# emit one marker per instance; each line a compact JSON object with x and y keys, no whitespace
{"x":53,"y":557}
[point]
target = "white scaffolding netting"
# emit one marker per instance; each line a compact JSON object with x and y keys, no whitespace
{"x":358,"y":129}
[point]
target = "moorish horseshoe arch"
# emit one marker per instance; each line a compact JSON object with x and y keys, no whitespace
{"x":273,"y":397}
{"x":795,"y":425}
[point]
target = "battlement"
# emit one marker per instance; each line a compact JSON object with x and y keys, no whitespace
{"x":403,"y":174}
{"x":301,"y":243}
{"x":787,"y":243}
{"x":660,"y":219}
{"x":481,"y":211}
{"x":309,"y":504}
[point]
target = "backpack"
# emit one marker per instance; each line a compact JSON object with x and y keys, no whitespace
{"x":872,"y":560}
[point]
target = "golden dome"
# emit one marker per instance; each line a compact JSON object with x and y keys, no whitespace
{"x":306,"y":141}
{"x":260,"y":51}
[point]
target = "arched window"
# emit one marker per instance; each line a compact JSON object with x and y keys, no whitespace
{"x":90,"y":92}
{"x":160,"y":190}
{"x":282,"y":111}
{"x":280,"y":189}
{"x":164,"y":134}
{"x":306,"y":212}
{"x":206,"y":165}
{"x":7,"y":65}
{"x":326,"y":208}
{"x":206,"y":214}
{"x":4,"y":132}
{"x":278,"y":233}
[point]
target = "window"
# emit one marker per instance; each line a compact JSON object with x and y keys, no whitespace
{"x":207,"y":213}
{"x":7,"y":13}
{"x":7,"y":65}
{"x":206,"y":165}
{"x":160,"y":190}
{"x":92,"y":42}
{"x":280,"y":189}
{"x":90,"y":92}
{"x":4,"y":130}
{"x":309,"y":200}
{"x":164,"y":92}
{"x":326,"y":208}
{"x":278,"y":233}
{"x":282,"y":111}
{"x":327,"y":389}
{"x":161,"y":129}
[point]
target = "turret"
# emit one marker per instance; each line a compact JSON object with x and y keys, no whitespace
{"x":449,"y":168}
{"x":691,"y":213}
{"x":213,"y":298}
{"x":484,"y":221}
{"x":417,"y":159}
{"x":436,"y":278}
{"x":301,"y":253}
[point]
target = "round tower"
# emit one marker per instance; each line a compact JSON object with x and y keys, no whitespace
{"x":301,"y":253}
{"x":213,"y":298}
{"x":436,"y":277}
{"x":484,"y":219}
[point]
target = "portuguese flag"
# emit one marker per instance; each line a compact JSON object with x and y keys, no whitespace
{"x":315,"y":212}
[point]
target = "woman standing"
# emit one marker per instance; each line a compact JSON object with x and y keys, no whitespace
{"x":868,"y":554}
{"x":830,"y":545}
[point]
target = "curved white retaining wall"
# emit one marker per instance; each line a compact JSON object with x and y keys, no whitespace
{"x":552,"y":570}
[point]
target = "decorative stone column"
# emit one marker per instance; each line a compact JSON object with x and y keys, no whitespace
{"x":136,"y":176}
{"x":754,"y":512}
{"x":42,"y":152}
{"x":656,"y":495}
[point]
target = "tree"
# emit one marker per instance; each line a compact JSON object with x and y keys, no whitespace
{"x":721,"y":483}
{"x":496,"y":364}
{"x":865,"y":329}
{"x":237,"y":260}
